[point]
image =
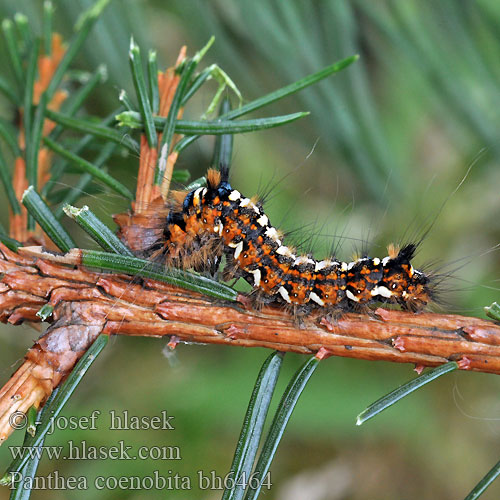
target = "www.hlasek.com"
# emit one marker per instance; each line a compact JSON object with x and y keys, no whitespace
{"x":156,"y":481}
{"x":82,"y":450}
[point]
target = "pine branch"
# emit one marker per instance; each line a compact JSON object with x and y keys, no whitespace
{"x":87,"y":303}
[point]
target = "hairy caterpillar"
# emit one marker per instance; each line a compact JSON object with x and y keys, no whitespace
{"x":215,"y":220}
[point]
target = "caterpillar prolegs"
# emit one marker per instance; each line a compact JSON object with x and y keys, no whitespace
{"x":217,"y":219}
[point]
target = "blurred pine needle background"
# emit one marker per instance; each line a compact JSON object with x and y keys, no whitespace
{"x":386,"y":145}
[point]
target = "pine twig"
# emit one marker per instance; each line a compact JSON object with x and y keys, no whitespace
{"x":88,"y":303}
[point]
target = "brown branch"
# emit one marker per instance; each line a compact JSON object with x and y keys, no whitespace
{"x":49,"y":361}
{"x":88,"y":303}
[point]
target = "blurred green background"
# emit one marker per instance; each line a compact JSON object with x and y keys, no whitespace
{"x":386,"y":145}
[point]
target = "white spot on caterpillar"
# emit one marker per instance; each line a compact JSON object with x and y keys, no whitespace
{"x":381,"y":290}
{"x":234,"y":195}
{"x":404,"y":294}
{"x":343,"y":267}
{"x":256,"y":208}
{"x":238,"y":248}
{"x":303,"y":260}
{"x":273,"y":234}
{"x":245,"y":202}
{"x":350,"y":265}
{"x":283,"y":292}
{"x":376,"y":261}
{"x":196,"y":196}
{"x":411,"y":271}
{"x":351,"y":296}
{"x":218,"y":229}
{"x":315,"y":297}
{"x":263,"y":220}
{"x":385,"y":260}
{"x":256,"y":277}
{"x":283,"y":250}
{"x":321,"y":265}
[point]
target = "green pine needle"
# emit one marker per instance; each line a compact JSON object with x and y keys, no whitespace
{"x":493,"y":311}
{"x":142,"y":94}
{"x":43,"y":215}
{"x":404,"y":390}
{"x":481,"y":487}
{"x":87,"y":167}
{"x":99,"y":232}
{"x":282,"y":416}
{"x":253,"y":425}
{"x":140,"y":267}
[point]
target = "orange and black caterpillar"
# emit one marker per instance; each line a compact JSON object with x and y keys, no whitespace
{"x":215,"y":220}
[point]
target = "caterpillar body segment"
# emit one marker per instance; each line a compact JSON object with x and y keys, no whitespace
{"x":218,"y":220}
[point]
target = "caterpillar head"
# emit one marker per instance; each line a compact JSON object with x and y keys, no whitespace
{"x":408,"y":287}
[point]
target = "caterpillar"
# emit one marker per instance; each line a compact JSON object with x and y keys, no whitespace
{"x":217,"y":220}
